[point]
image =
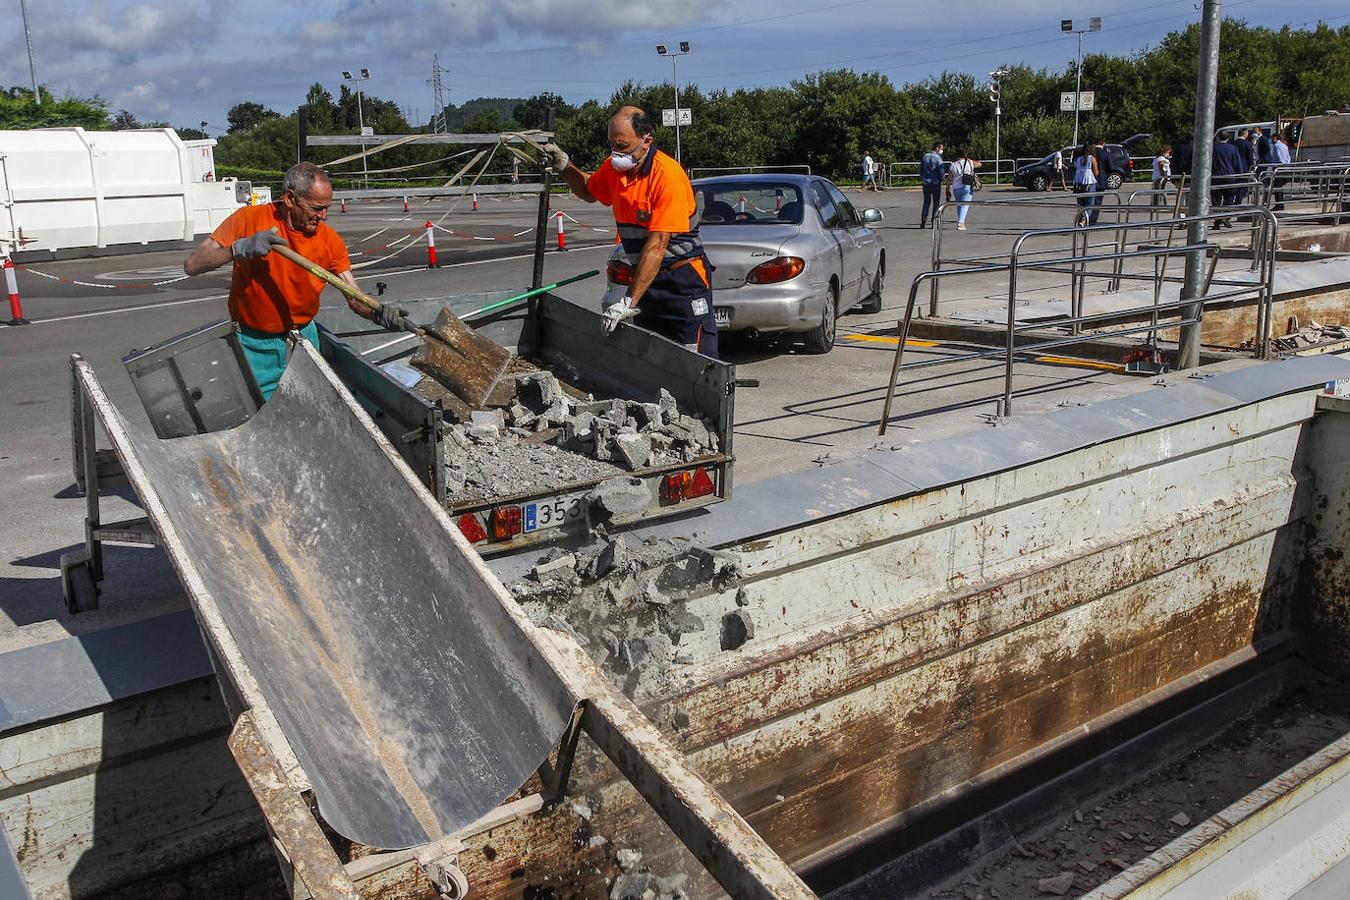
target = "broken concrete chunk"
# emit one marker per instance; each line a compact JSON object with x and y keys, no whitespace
{"x":566,"y":562}
{"x":1059,"y":885}
{"x":652,"y":594}
{"x":612,"y":555}
{"x":620,"y":496}
{"x":537,"y":391}
{"x":697,"y":431}
{"x":632,"y":450}
{"x":628,"y":858}
{"x":483,"y":434}
{"x":1181,"y":820}
{"x":666,"y":402}
{"x":737,"y":628}
{"x":630,"y":886}
{"x":647,"y":415}
{"x":493,"y":417}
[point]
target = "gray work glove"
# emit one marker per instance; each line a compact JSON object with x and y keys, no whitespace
{"x":255,"y":245}
{"x":392,"y":317}
{"x":557,"y":157}
{"x":620,"y":312}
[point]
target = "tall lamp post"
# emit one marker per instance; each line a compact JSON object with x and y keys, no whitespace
{"x":28,"y":36}
{"x":674,"y":76}
{"x":1066,"y":26}
{"x":360,"y":79}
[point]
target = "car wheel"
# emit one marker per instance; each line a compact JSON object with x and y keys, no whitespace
{"x":873,"y":302}
{"x":821,"y":338}
{"x":1113,"y":181}
{"x":1040,"y":183}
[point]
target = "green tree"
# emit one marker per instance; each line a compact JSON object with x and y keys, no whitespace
{"x":247,"y":115}
{"x":533,"y":113}
{"x":18,"y":111}
{"x":486,"y":121}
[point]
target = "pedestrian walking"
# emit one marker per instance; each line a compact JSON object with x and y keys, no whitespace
{"x":1060,"y":168}
{"x":961,"y":184}
{"x":1105,"y":166}
{"x":1227,"y":168}
{"x":1279,"y":155}
{"x":1085,"y":174}
{"x":931,"y":173}
{"x":1263,"y":146}
{"x":869,"y":172}
{"x":1162,"y":174}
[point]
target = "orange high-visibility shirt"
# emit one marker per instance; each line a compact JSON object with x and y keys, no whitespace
{"x":273,"y":294}
{"x":656,"y":196}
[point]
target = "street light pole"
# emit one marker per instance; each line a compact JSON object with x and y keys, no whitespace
{"x":358,"y":80}
{"x":1206,"y":89}
{"x":996,"y":95}
{"x":675,"y":78}
{"x":28,"y":36}
{"x":1066,"y":25}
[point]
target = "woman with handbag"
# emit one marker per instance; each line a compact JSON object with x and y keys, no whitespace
{"x":1085,"y":174}
{"x":962,"y":182}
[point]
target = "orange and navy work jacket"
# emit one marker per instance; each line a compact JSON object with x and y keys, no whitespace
{"x":656,"y":196}
{"x":272,"y":294}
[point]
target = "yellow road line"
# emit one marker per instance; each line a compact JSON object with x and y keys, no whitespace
{"x":881,"y":339}
{"x":1079,"y":363}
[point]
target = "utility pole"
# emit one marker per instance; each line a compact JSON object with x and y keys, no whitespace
{"x":1066,"y":25}
{"x":1206,"y":88}
{"x":28,"y":36}
{"x":996,"y":95}
{"x":674,"y":77}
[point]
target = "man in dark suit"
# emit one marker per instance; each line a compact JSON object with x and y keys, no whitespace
{"x":1228,"y":165}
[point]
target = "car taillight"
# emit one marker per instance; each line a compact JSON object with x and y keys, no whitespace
{"x":471,"y":528}
{"x":619,"y":271}
{"x":686,"y":485}
{"x":505,"y":522}
{"x":780,"y":268}
{"x":1130,"y":163}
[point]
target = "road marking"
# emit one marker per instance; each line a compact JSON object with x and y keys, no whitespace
{"x":880,"y":339}
{"x":1079,"y":363}
{"x":167,"y":303}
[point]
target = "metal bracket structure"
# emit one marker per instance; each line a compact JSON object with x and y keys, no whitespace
{"x":555,"y":776}
{"x":94,"y":470}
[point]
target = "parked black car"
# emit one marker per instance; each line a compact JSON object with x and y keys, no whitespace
{"x":1039,"y":175}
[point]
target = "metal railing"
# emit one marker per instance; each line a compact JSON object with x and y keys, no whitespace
{"x":908,"y":170}
{"x":732,"y":170}
{"x":1118,"y":322}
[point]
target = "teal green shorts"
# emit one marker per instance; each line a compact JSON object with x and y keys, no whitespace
{"x":266,"y":354}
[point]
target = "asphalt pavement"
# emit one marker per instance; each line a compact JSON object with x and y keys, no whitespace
{"x":807,"y":411}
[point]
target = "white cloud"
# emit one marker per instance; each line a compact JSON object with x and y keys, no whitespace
{"x":139,"y":29}
{"x":324,"y":33}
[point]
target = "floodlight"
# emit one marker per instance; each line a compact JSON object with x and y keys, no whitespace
{"x":661,"y":49}
{"x":684,"y":46}
{"x":1066,"y":24}
{"x":347,"y":75}
{"x":365,"y":73}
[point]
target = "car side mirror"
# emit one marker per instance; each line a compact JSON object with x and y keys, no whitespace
{"x":872,"y":216}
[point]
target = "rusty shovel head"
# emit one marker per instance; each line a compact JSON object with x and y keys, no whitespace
{"x":467,"y":363}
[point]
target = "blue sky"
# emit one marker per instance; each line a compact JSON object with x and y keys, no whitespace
{"x":190,"y":61}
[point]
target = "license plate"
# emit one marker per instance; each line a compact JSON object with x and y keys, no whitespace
{"x":552,"y":513}
{"x":722,"y":315}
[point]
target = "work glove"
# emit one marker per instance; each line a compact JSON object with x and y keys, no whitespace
{"x":392,"y":317}
{"x":622,"y":311}
{"x":557,"y":157}
{"x":255,"y":245}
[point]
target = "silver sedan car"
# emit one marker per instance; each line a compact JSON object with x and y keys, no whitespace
{"x":790,"y":254}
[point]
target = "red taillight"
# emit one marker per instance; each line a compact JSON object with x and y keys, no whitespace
{"x":505,"y":522}
{"x":619,"y":272}
{"x":686,"y":485}
{"x":1130,"y":162}
{"x":780,"y":268}
{"x":471,"y":528}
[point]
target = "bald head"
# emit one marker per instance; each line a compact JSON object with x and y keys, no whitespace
{"x":630,"y":134}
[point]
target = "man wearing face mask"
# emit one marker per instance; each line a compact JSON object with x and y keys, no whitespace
{"x":271,"y":297}
{"x":653,"y":205}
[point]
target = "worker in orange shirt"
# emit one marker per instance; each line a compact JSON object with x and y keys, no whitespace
{"x":653,"y":205}
{"x":271,"y":297}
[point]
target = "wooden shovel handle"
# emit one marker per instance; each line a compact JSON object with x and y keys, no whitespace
{"x":318,"y":271}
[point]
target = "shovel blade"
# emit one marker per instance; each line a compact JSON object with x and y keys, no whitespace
{"x":467,"y":363}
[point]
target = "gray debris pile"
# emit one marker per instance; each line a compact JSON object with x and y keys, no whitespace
{"x":545,"y":439}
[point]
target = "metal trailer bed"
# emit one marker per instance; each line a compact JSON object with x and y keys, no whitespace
{"x":376,"y":671}
{"x":630,"y":364}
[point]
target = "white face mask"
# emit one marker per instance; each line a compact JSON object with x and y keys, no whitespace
{"x":622,"y":162}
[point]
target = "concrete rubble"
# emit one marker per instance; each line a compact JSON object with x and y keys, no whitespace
{"x":545,"y":439}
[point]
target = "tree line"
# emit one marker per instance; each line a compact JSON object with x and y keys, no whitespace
{"x":825,"y":120}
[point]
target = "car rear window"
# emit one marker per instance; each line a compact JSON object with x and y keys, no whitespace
{"x":751,"y":203}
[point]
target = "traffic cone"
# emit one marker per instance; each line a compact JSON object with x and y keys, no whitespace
{"x":343,"y":207}
{"x":12,"y":284}
{"x":562,"y":237}
{"x":475,"y":201}
{"x":405,"y":204}
{"x":431,"y":245}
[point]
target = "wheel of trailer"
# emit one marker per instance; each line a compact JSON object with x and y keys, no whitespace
{"x":1113,"y":181}
{"x":1040,"y":183}
{"x":821,"y":338}
{"x":873,"y":302}
{"x":77,"y":584}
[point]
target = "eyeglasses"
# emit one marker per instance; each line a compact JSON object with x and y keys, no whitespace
{"x":317,"y":210}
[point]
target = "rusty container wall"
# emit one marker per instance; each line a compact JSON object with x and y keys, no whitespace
{"x":1323,"y":610}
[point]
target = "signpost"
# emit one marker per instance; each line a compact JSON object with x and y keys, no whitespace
{"x":1087,"y":101}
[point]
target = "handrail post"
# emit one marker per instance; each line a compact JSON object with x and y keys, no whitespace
{"x":936,"y":262}
{"x":902,"y":335}
{"x":1012,"y":319}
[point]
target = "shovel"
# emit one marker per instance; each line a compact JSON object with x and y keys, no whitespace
{"x":464,"y":361}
